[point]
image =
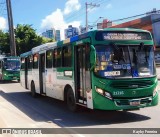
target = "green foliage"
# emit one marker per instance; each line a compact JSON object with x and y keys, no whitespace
{"x":25,"y":37}
{"x":4,"y":42}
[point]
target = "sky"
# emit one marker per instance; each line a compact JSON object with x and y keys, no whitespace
{"x":58,"y":14}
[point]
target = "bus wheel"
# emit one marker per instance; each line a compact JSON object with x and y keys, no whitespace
{"x":33,"y":91}
{"x":71,"y":102}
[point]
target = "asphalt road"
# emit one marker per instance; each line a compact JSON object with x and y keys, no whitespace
{"x":18,"y":109}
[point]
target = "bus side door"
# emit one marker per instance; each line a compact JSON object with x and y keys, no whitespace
{"x":82,"y":73}
{"x":42,"y":80}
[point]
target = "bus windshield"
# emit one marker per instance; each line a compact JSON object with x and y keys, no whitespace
{"x":12,"y":65}
{"x":124,"y":61}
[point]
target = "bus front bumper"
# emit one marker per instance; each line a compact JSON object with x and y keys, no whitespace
{"x":104,"y":103}
{"x":8,"y":77}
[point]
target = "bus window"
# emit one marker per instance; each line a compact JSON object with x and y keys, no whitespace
{"x":67,"y":57}
{"x":112,"y":62}
{"x":49,"y":59}
{"x":30,"y":62}
{"x":35,"y":61}
{"x":54,"y":59}
{"x":22,"y":63}
{"x":57,"y":57}
{"x":142,"y":60}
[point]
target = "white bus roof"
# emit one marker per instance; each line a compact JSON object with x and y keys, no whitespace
{"x":44,"y":47}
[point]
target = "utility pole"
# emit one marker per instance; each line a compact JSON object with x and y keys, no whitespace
{"x":11,"y":29}
{"x":89,"y":4}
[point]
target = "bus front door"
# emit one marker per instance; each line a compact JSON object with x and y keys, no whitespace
{"x":42,"y":73}
{"x":82,"y":73}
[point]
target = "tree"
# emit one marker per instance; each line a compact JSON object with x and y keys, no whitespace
{"x":25,"y":37}
{"x":4,"y":42}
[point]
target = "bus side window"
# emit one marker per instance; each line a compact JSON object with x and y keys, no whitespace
{"x":57,"y":58}
{"x":54,"y":58}
{"x":30,"y":61}
{"x":49,"y":59}
{"x":67,"y":57}
{"x":35,"y":61}
{"x":22,"y":63}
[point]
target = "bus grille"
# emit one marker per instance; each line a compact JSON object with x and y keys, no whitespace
{"x":132,"y":84}
{"x":126,"y":102}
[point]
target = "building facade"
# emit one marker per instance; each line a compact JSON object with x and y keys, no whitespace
{"x":52,"y":34}
{"x":58,"y":35}
{"x":71,"y":31}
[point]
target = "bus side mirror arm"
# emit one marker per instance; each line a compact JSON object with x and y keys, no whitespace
{"x":93,"y":57}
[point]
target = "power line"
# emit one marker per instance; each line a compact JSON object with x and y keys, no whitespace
{"x":135,"y":16}
{"x":82,"y":11}
{"x":101,"y":2}
{"x":156,"y":11}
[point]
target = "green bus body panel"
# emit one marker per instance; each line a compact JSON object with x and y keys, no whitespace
{"x":11,"y":75}
{"x":101,"y":102}
{"x":105,"y":104}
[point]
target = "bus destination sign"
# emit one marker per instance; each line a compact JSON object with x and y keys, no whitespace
{"x":122,"y":36}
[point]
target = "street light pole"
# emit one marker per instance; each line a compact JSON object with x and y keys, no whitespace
{"x":11,"y":29}
{"x":93,"y":5}
{"x":86,"y":17}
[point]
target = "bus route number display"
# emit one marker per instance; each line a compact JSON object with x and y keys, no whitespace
{"x":13,"y":59}
{"x":121,"y":36}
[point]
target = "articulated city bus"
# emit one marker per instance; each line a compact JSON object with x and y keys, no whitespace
{"x":10,"y":68}
{"x":111,"y":69}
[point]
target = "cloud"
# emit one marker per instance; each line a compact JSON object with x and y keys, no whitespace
{"x":71,"y":5}
{"x":56,"y":20}
{"x":3,"y":23}
{"x":109,"y":6}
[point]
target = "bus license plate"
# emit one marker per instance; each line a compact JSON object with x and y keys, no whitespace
{"x":135,"y":102}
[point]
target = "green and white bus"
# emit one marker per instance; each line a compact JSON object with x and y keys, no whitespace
{"x":9,"y":68}
{"x":111,"y":69}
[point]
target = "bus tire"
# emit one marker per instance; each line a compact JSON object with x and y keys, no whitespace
{"x":33,"y":91}
{"x":71,"y":102}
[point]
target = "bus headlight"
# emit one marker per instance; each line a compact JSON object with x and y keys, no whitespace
{"x":100,"y":91}
{"x":155,"y":91}
{"x":103,"y":93}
